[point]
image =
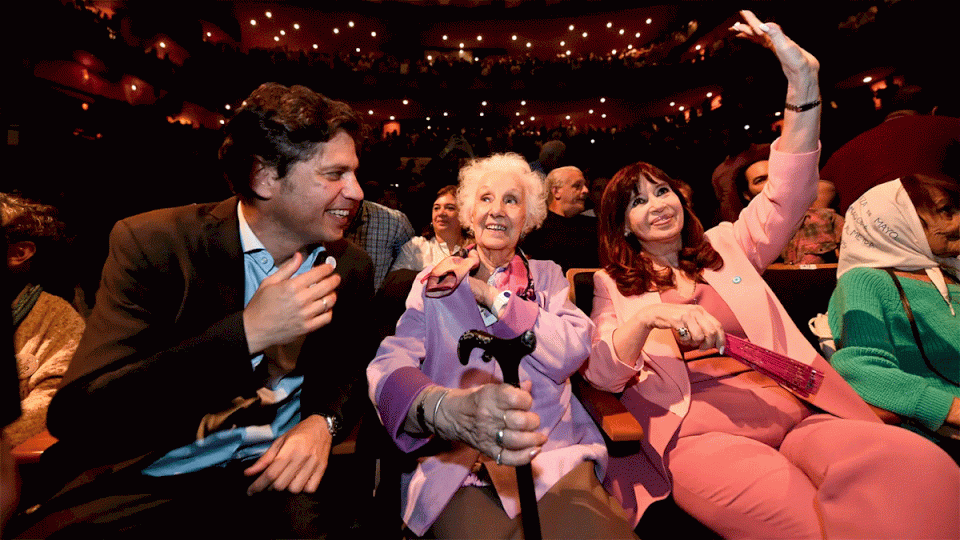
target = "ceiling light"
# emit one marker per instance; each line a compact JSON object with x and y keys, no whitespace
{"x":584,"y":34}
{"x":283,"y":32}
{"x":296,"y":26}
{"x":350,"y":24}
{"x":523,"y":102}
{"x":649,"y":21}
{"x":709,"y":94}
{"x":406,"y":102}
{"x":373,"y":34}
{"x":513,"y":37}
{"x":268,"y":14}
{"x":336,"y":30}
{"x":867,"y":79}
{"x":571,"y":28}
{"x":253,"y":22}
{"x":529,"y":44}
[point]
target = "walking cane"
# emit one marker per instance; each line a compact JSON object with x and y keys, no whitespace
{"x":508,"y":353}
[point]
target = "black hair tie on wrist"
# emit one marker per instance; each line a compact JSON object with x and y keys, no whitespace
{"x":801,"y":108}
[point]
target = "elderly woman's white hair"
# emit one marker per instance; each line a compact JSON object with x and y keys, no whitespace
{"x":503,"y":165}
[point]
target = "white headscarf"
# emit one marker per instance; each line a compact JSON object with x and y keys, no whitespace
{"x":882,"y":230}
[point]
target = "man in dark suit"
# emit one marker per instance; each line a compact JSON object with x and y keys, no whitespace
{"x":225,"y":353}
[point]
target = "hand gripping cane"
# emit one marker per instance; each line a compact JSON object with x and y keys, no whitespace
{"x":508,"y":353}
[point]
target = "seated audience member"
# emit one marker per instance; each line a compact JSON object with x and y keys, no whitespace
{"x":381,"y":232}
{"x":444,"y":237}
{"x":9,"y":411}
{"x":566,"y":237}
{"x":551,"y":156}
{"x":597,"y":186}
{"x":910,"y":140}
{"x":465,"y":426}
{"x":900,"y":248}
{"x":222,"y":358}
{"x":743,"y":455}
{"x":46,"y":328}
{"x":818,"y":238}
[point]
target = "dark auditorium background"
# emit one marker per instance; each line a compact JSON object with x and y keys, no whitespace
{"x":115,"y":107}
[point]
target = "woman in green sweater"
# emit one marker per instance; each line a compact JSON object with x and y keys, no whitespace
{"x":894,"y":311}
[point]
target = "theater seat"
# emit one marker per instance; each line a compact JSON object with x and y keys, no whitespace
{"x":663,"y":520}
{"x":804,"y":290}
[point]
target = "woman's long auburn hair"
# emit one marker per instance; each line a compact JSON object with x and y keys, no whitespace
{"x":623,"y":257}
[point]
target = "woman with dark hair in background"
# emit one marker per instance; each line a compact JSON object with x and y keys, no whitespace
{"x":444,"y":236}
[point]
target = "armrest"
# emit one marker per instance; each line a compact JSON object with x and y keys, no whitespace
{"x":613,"y":418}
{"x":30,"y":450}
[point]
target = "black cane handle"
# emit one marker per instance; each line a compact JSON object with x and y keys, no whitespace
{"x":508,"y":353}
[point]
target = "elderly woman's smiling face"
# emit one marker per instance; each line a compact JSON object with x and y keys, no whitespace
{"x":499,"y":212}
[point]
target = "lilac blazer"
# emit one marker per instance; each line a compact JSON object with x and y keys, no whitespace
{"x":424,"y":351}
{"x":656,"y":388}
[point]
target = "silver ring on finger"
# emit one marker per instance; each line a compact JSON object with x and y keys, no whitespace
{"x":324,"y":300}
{"x":500,"y":457}
{"x":499,"y":438}
{"x":683,"y":332}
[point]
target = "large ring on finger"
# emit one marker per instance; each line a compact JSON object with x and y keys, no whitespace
{"x":499,"y":438}
{"x":683,"y":332}
{"x":500,"y":457}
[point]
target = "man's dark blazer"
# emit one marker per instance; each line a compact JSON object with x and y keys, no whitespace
{"x":165,"y":343}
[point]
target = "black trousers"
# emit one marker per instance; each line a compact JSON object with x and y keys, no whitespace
{"x":212,"y":503}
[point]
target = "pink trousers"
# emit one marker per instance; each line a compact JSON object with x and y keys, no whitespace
{"x":752,"y":462}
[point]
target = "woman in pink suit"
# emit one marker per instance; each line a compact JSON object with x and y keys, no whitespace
{"x":465,"y":427}
{"x":746,"y":457}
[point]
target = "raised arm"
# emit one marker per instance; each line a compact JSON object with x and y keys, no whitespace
{"x":771,"y":219}
{"x":801,"y":119}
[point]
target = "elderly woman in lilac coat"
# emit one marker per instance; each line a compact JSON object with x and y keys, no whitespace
{"x":463,"y":425}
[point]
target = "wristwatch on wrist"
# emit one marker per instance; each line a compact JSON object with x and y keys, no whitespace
{"x":333,"y":423}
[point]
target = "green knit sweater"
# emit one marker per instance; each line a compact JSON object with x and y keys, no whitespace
{"x":876,"y":351}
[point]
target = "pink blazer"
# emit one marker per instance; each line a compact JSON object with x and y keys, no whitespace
{"x":656,"y":386}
